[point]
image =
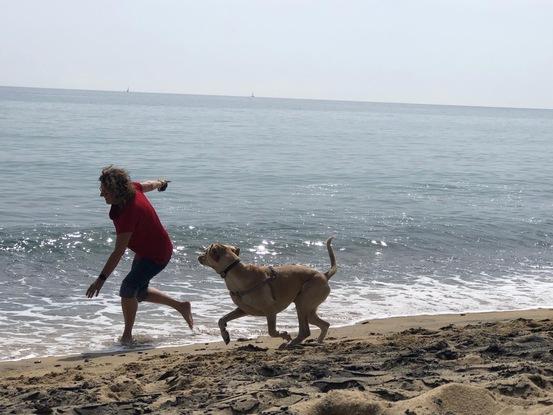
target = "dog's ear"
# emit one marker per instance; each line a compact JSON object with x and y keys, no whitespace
{"x":215,"y":252}
{"x":236,"y":250}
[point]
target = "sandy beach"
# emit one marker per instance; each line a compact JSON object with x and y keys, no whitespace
{"x":482,"y":363}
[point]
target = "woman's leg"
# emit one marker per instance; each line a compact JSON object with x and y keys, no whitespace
{"x":129,"y":306}
{"x":156,"y":296}
{"x":129,"y":303}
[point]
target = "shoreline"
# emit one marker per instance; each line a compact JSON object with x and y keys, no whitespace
{"x":407,"y":318}
{"x":395,"y":364}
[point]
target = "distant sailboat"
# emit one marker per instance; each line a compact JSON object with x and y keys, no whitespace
{"x":127,"y":89}
{"x":253,"y":96}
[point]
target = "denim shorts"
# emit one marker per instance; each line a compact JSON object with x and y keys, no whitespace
{"x":137,"y":280}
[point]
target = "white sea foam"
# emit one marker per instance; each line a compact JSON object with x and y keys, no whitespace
{"x":81,"y":325}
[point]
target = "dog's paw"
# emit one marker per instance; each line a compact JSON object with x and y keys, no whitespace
{"x":285,"y":335}
{"x":226,"y":338}
{"x":283,"y":346}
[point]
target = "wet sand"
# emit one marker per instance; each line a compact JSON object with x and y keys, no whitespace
{"x":482,"y":363}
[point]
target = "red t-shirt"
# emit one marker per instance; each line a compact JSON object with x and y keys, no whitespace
{"x":149,"y":238}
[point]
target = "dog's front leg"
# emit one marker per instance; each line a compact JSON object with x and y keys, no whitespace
{"x":304,"y":331}
{"x":271,"y":324}
{"x":233,"y":315}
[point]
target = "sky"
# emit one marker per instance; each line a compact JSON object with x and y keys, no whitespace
{"x":455,"y":52}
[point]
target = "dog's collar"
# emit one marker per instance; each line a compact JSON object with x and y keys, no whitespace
{"x":227,"y":269}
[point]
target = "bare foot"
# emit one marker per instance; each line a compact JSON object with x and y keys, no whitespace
{"x":186,"y":310}
{"x":126,"y":341}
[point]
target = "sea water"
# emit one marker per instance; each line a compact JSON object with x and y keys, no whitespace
{"x":434,"y":209}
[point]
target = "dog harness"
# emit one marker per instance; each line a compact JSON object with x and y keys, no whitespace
{"x":267,"y":280}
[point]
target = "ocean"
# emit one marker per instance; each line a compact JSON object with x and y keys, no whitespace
{"x":434,"y":209}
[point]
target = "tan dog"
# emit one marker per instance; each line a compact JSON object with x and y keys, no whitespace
{"x":266,"y":291}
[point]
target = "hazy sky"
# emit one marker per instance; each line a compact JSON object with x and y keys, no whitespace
{"x":467,"y":52}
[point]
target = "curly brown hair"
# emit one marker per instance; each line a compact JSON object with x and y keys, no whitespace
{"x":118,"y":182}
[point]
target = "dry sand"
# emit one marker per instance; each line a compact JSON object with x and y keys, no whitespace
{"x":484,"y":363}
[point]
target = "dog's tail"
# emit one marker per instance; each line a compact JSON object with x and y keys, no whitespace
{"x":333,"y":267}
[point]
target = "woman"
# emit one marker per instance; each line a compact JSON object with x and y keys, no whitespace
{"x":137,"y":227}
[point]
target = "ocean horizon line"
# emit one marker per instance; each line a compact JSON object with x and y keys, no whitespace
{"x":353,"y":101}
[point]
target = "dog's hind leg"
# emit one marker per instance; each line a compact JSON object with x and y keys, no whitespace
{"x":320,"y":323}
{"x":233,"y":315}
{"x":273,"y":332}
